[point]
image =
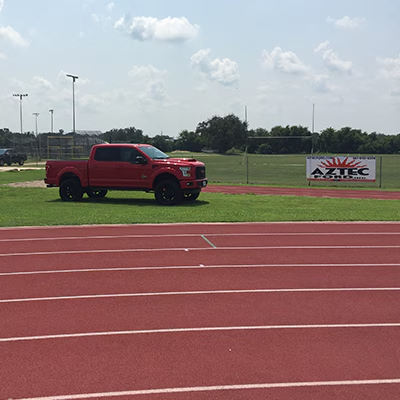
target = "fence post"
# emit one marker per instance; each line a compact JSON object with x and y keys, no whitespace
{"x":380,"y":173}
{"x":247,"y":169}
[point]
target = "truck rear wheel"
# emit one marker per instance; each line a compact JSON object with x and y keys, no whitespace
{"x":21,"y":161}
{"x":168,"y":193}
{"x":71,"y":190}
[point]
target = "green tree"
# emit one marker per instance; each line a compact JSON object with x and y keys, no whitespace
{"x":163,"y":142}
{"x":189,"y":140}
{"x":223,"y":133}
{"x":125,"y":135}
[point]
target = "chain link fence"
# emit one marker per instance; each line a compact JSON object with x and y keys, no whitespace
{"x":289,"y":170}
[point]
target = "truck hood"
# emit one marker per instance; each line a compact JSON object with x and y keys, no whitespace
{"x":186,"y":162}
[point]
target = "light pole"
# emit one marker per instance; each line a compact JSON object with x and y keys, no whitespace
{"x":74,"y":78}
{"x":51,"y":120}
{"x":36,"y":114}
{"x":20,"y":95}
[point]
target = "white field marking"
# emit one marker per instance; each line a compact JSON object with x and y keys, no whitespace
{"x":45,"y":253}
{"x":204,"y":329}
{"x":209,"y":242}
{"x":201,"y":266}
{"x":98,"y":237}
{"x":251,"y":386}
{"x":198,"y":293}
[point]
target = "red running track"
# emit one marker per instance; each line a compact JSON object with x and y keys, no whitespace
{"x":310,"y":192}
{"x":221,"y":311}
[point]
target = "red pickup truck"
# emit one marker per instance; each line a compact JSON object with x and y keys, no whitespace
{"x":128,"y":167}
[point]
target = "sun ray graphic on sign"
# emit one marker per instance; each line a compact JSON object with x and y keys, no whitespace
{"x":345,"y":163}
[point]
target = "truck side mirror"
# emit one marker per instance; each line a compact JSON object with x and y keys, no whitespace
{"x":141,"y":160}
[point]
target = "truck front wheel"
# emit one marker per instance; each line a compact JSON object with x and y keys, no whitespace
{"x":191,"y":196}
{"x":168,"y":193}
{"x":96,"y":194}
{"x":71,"y":190}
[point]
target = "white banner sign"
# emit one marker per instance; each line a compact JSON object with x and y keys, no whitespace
{"x":340,"y":168}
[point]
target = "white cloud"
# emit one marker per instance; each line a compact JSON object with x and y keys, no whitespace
{"x":3,"y":56}
{"x":8,"y":33}
{"x":42,"y":84}
{"x":1,"y":4}
{"x":146,"y":72}
{"x":164,"y":30}
{"x":391,"y":67}
{"x":347,"y":22}
{"x":150,"y":81}
{"x":332,"y":61}
{"x":223,"y":71}
{"x":322,"y":84}
{"x":110,"y":6}
{"x":286,"y":62}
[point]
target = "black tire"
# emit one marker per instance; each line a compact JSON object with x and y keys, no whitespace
{"x":96,"y":194}
{"x":71,"y":190}
{"x":188,"y":197}
{"x":168,"y":193}
{"x":1,"y":163}
{"x":21,"y":161}
{"x":9,"y":164}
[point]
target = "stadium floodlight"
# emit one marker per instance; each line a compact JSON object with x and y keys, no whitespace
{"x":51,"y":120}
{"x":74,"y":78}
{"x":20,"y":95}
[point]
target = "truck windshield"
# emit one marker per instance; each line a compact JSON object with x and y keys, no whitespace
{"x":2,"y":151}
{"x":153,"y":152}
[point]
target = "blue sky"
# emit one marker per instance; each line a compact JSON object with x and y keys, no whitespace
{"x":164,"y":66}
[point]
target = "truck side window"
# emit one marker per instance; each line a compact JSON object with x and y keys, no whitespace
{"x":129,"y":154}
{"x":107,"y":154}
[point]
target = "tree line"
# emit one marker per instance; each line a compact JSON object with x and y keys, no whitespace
{"x":230,"y":135}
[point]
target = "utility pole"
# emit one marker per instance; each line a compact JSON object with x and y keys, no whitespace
{"x":74,"y":78}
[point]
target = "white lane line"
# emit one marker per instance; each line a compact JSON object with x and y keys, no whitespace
{"x":190,"y":267}
{"x":200,"y":329}
{"x":198,"y":293}
{"x":279,"y":385}
{"x":146,"y":236}
{"x":232,"y":248}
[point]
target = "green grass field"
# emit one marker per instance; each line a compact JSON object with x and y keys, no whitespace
{"x":42,"y":206}
{"x":23,"y":206}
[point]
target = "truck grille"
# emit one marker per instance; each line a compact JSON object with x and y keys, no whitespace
{"x":200,"y":172}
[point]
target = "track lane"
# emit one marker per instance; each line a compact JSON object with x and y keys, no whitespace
{"x":208,"y":256}
{"x":129,"y":312}
{"x":192,"y":278}
{"x":259,"y":239}
{"x":198,"y":229}
{"x":111,"y":364}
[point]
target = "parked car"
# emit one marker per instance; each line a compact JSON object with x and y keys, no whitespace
{"x":9,"y":156}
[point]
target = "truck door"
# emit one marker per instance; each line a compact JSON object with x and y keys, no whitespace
{"x":116,"y":166}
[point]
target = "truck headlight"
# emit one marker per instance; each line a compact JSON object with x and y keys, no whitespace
{"x":185,"y":171}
